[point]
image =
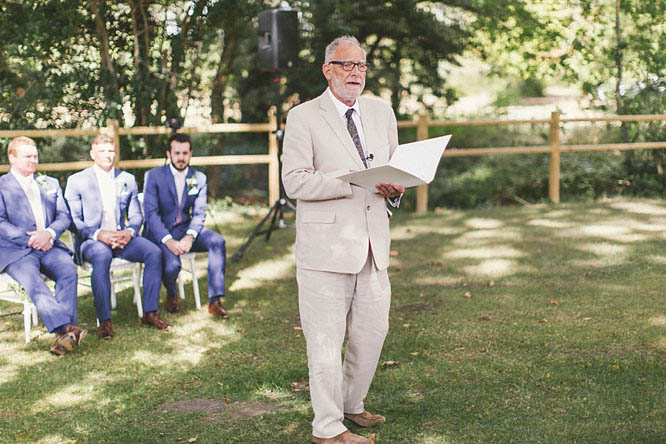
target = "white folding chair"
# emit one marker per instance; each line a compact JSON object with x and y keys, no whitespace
{"x":119,"y":265}
{"x":13,"y":292}
{"x":189,"y":259}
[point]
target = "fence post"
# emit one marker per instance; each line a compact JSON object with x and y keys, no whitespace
{"x":273,"y":163}
{"x":422,"y":191}
{"x":554,"y":178}
{"x":112,"y":131}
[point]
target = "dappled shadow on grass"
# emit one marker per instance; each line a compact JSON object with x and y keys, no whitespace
{"x":510,"y":324}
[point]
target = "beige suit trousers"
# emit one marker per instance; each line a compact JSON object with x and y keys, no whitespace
{"x":331,"y":304}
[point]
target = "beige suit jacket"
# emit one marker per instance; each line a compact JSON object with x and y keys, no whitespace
{"x":336,"y":222}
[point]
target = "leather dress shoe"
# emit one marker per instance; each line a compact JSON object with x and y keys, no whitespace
{"x":217,"y":310}
{"x":105,"y":330}
{"x":78,"y":333}
{"x":345,"y":437}
{"x":365,"y":419}
{"x":172,"y":304}
{"x":152,"y":320}
{"x":64,"y":343}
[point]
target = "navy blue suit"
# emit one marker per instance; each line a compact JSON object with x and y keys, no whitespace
{"x":26,"y":264}
{"x":160,"y":204}
{"x":84,"y":198}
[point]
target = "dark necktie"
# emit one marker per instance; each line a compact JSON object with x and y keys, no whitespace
{"x":351,"y":127}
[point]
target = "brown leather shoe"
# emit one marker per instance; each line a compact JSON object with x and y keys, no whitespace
{"x":217,"y":310}
{"x":365,"y":418}
{"x":79,"y":333}
{"x":345,"y":437}
{"x":105,"y":330}
{"x":64,"y":343}
{"x":152,"y":320}
{"x":172,"y":304}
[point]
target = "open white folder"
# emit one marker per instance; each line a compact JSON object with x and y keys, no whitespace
{"x":411,"y":165}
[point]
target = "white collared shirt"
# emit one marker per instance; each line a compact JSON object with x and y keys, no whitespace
{"x":31,"y":189}
{"x":107,"y":188}
{"x":356,"y":117}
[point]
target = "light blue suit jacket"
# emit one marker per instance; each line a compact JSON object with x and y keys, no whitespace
{"x":16,"y":217}
{"x":85,"y":205}
{"x":160,"y":203}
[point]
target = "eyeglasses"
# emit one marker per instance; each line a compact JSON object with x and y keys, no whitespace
{"x":349,"y":65}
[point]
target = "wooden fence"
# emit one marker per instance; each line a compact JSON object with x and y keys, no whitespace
{"x":422,"y":125}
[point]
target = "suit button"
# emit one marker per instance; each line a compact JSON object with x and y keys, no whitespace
{"x":368,"y":207}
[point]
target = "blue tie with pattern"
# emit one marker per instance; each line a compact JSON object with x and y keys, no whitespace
{"x":351,"y":127}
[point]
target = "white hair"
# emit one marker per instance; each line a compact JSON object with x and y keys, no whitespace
{"x":342,"y":40}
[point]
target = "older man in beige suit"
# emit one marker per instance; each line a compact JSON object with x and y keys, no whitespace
{"x":342,"y":238}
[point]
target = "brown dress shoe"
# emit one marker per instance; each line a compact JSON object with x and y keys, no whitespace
{"x":365,"y":418}
{"x":345,"y":437}
{"x":64,"y":343}
{"x":79,"y":333}
{"x":152,"y":320}
{"x":172,"y":304}
{"x":217,"y":310}
{"x":105,"y":330}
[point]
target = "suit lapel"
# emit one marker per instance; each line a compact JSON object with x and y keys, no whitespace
{"x":46,"y":209}
{"x":94,"y":187}
{"x":369,"y":130}
{"x":331,"y":116}
{"x":171,"y":185}
{"x":190,"y":173}
{"x":116,"y":173}
{"x":18,"y":189}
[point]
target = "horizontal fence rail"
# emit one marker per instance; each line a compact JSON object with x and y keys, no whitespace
{"x":422,"y":125}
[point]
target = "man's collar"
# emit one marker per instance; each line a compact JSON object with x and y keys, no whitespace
{"x":99,"y":170}
{"x":341,"y":107}
{"x":21,"y":178}
{"x":176,"y":172}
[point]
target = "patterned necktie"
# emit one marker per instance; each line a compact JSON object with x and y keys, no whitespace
{"x":351,"y":127}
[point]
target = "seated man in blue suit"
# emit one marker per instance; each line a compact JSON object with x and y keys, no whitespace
{"x":33,"y":215}
{"x":175,"y":207}
{"x":100,"y":199}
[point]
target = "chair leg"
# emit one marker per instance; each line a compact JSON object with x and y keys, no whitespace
{"x":35,"y":319}
{"x":27,"y":314}
{"x":136,"y":276}
{"x":195,"y":283}
{"x":114,"y":302}
{"x":181,"y":285}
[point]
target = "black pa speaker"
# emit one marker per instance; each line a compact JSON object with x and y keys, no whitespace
{"x":278,"y":38}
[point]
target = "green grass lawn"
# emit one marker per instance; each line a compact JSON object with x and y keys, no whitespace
{"x":539,"y":324}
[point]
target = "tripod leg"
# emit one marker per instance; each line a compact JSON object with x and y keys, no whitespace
{"x":255,"y":232}
{"x":277,"y":207}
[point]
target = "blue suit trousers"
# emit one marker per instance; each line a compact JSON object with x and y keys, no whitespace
{"x":138,"y":249}
{"x":56,"y":264}
{"x":207,"y":241}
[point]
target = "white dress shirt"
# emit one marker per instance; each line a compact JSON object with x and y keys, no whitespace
{"x":356,"y":117}
{"x":31,"y":189}
{"x":179,"y":179}
{"x":108,"y":189}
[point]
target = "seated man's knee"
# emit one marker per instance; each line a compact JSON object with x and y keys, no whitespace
{"x":217,"y":242}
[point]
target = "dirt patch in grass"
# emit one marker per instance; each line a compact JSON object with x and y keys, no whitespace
{"x":192,"y":405}
{"x":251,"y":409}
{"x":215,"y":408}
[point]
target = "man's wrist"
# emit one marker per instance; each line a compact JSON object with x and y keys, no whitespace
{"x":192,"y":233}
{"x":166,"y":238}
{"x":132,"y":232}
{"x":95,"y":234}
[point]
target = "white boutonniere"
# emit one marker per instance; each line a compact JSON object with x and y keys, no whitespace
{"x":41,"y":181}
{"x":192,"y":186}
{"x":121,"y":187}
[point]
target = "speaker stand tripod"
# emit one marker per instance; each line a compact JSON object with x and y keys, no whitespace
{"x":276,"y":212}
{"x":276,"y":217}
